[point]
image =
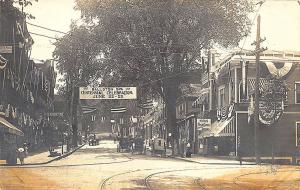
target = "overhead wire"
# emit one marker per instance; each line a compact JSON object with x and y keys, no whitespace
{"x":46,"y":28}
{"x":42,"y":35}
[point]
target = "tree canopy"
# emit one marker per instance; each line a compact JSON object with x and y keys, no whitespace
{"x":151,"y":44}
{"x":144,"y":41}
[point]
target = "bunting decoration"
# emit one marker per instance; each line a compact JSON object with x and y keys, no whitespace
{"x":224,"y":111}
{"x":3,"y":62}
{"x":7,"y":111}
{"x":118,"y":110}
{"x":14,"y":112}
{"x":2,"y":110}
{"x":250,"y":109}
{"x":88,"y":110}
{"x":219,"y":114}
{"x":279,"y":72}
{"x":146,"y":105}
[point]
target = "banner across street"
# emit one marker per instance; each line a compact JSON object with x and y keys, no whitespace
{"x":107,"y":93}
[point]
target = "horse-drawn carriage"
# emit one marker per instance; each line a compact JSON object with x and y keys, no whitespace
{"x":124,"y":145}
{"x":138,"y":145}
{"x":130,"y":144}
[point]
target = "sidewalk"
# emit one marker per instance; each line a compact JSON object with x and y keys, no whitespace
{"x":43,"y":157}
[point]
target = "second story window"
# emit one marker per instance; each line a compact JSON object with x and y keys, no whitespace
{"x":221,"y":97}
{"x":297,"y":92}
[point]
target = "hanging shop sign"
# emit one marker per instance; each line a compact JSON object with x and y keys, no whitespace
{"x":5,"y":49}
{"x":203,"y":123}
{"x":107,"y":93}
{"x":269,"y":115}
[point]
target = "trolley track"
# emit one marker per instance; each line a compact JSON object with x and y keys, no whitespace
{"x":147,"y":184}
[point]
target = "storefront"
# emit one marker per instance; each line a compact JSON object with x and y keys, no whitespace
{"x":8,"y":141}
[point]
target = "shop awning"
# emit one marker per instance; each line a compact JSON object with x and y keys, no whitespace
{"x":9,"y":128}
{"x":223,"y":128}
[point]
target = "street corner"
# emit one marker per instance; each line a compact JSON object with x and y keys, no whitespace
{"x":259,"y":177}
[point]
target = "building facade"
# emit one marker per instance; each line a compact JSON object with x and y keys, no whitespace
{"x":27,"y":90}
{"x":230,"y":105}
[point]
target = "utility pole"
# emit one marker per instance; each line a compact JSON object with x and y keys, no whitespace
{"x":71,"y":117}
{"x":258,"y":50}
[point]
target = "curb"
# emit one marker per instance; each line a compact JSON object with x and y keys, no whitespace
{"x":60,"y":157}
{"x":43,"y":163}
{"x":182,"y":159}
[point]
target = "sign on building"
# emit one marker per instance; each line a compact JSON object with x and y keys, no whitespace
{"x":203,"y":123}
{"x":107,"y":93}
{"x":5,"y":49}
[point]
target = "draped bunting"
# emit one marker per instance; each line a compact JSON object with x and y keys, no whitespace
{"x":7,"y":111}
{"x":3,"y":62}
{"x":279,"y":72}
{"x":1,"y":108}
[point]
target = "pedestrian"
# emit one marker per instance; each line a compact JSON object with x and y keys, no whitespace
{"x":132,"y":147}
{"x":188,"y":150}
{"x":21,"y":154}
{"x":25,"y":146}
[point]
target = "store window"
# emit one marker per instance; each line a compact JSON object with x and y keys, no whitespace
{"x":298,"y":134}
{"x":297,"y":92}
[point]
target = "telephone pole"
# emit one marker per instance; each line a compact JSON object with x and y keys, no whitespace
{"x":258,"y":50}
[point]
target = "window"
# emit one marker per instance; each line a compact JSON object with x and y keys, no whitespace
{"x":250,"y":87}
{"x":221,"y":97}
{"x":298,"y":134}
{"x":297,"y":92}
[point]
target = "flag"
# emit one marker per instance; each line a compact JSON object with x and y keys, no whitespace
{"x":250,"y":109}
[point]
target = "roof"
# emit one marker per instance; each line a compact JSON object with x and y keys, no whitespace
{"x":274,"y":55}
{"x":10,"y":128}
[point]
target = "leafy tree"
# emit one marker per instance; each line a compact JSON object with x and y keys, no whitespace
{"x":75,"y":55}
{"x":153,"y":43}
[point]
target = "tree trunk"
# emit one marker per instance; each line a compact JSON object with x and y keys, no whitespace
{"x":75,"y":119}
{"x":171,"y":93}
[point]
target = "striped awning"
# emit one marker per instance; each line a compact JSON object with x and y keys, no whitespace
{"x":224,"y":128}
{"x":9,"y":128}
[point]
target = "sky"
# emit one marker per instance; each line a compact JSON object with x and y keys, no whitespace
{"x":280,"y":24}
{"x":53,"y":14}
